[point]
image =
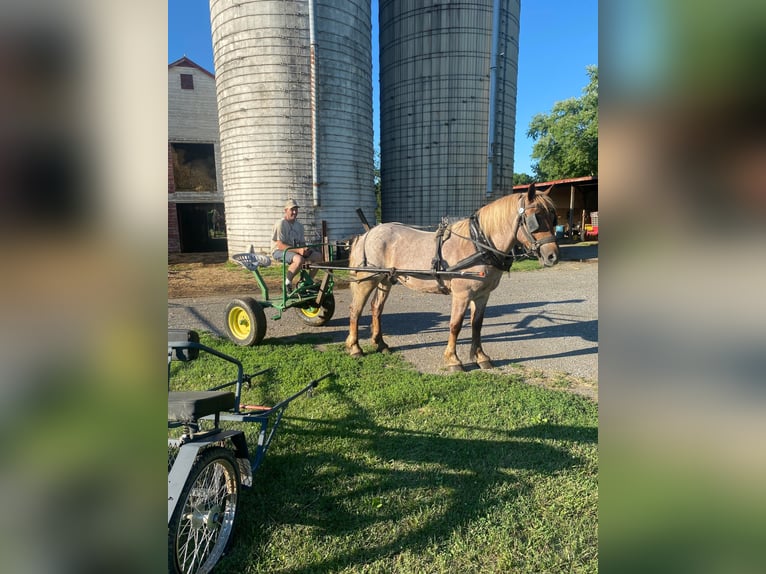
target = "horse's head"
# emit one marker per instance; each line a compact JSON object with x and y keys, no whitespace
{"x":536,"y":226}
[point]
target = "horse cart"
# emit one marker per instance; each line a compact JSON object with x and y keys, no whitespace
{"x":464,"y":259}
{"x":208,"y":464}
{"x":245,"y":318}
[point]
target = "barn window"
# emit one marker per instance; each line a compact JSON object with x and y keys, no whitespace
{"x":187,"y":82}
{"x":194,"y":167}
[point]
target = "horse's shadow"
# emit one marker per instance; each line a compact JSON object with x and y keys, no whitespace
{"x":510,"y":308}
{"x":519,"y":327}
{"x":471,"y":476}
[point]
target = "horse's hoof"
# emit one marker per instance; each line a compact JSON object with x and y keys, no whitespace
{"x":385,"y":350}
{"x":356,"y":353}
{"x":456,"y":369}
{"x":485,"y":364}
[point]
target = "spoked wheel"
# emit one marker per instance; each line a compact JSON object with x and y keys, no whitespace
{"x":203,"y":521}
{"x":318,"y":315}
{"x":245,"y":321}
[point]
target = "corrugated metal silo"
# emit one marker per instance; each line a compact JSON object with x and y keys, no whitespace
{"x":263,"y":51}
{"x":444,"y":65}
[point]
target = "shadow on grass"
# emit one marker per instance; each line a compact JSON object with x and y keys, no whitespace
{"x":352,"y":474}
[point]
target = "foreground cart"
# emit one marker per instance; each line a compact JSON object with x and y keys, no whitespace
{"x":207,"y":464}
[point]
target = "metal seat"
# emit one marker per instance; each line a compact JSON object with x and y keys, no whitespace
{"x":252,"y":261}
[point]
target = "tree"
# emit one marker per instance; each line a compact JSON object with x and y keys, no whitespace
{"x":522,"y":179}
{"x":566,"y":140}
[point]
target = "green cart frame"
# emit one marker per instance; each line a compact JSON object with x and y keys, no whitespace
{"x":245,"y":317}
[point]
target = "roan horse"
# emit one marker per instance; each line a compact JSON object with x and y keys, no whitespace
{"x":466,"y":258}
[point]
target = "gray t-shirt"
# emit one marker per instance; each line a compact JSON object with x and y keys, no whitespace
{"x":286,"y":232}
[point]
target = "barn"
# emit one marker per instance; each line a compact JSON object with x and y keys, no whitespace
{"x":196,"y":216}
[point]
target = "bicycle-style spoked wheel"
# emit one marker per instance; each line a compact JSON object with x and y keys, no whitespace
{"x":203,"y":521}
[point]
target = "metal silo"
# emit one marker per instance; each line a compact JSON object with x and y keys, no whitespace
{"x":294,"y":87}
{"x":448,"y":74}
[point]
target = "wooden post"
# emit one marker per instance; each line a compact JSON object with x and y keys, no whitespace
{"x":571,"y":210}
{"x":325,"y":244}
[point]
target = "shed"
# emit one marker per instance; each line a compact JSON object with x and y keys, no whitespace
{"x":576,"y":201}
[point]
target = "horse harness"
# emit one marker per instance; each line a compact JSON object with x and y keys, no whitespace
{"x":486,"y":252}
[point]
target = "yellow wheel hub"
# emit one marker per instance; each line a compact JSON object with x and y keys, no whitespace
{"x":311,"y":311}
{"x":239,"y":323}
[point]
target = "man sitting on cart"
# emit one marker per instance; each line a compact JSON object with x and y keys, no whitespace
{"x":288,"y":233}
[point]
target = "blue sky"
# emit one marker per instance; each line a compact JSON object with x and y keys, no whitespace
{"x":558,"y":39}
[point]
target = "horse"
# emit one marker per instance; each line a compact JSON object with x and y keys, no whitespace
{"x":465,"y":259}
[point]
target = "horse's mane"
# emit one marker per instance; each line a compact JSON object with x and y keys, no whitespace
{"x":496,"y":216}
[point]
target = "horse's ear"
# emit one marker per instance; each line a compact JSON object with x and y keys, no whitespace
{"x":531,"y":193}
{"x":547,"y":191}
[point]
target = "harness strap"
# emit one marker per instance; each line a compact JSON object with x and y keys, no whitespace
{"x":438,"y":263}
{"x":487,"y":251}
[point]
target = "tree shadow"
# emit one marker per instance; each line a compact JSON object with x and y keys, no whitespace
{"x":469,"y":475}
{"x":199,"y":319}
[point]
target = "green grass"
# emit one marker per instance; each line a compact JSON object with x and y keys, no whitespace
{"x":388,"y":470}
{"x":526,"y":265}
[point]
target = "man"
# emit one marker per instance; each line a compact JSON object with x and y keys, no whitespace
{"x":288,"y":233}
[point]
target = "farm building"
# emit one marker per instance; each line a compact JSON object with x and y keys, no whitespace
{"x":196,"y":217}
{"x":576,"y":201}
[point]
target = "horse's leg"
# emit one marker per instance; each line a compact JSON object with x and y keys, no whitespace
{"x":459,"y":305}
{"x":360,"y":292}
{"x":378,"y":301}
{"x":478,"y":307}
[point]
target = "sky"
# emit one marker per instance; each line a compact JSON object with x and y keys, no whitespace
{"x":557,"y":40}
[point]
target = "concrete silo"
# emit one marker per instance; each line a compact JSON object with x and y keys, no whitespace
{"x":294,"y":86}
{"x":448,"y":74}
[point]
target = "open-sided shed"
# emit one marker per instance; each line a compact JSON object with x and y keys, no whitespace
{"x":576,"y":201}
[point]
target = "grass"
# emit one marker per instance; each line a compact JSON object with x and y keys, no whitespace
{"x":385,"y":469}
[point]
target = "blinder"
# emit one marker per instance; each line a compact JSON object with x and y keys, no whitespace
{"x":532,"y":223}
{"x":529,"y":224}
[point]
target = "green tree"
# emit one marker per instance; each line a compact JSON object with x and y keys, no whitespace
{"x":566,"y":140}
{"x":522,"y":178}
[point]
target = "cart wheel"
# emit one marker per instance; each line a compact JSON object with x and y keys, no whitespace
{"x":316,"y":316}
{"x":245,"y":321}
{"x":203,"y":521}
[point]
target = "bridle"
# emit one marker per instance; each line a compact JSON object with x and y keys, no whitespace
{"x":486,"y":252}
{"x":529,"y":224}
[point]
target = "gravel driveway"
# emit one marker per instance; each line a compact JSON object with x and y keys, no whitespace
{"x":545,"y":320}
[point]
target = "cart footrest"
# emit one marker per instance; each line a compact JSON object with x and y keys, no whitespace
{"x":190,"y":406}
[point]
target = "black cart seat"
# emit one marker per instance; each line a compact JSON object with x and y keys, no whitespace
{"x":190,"y":406}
